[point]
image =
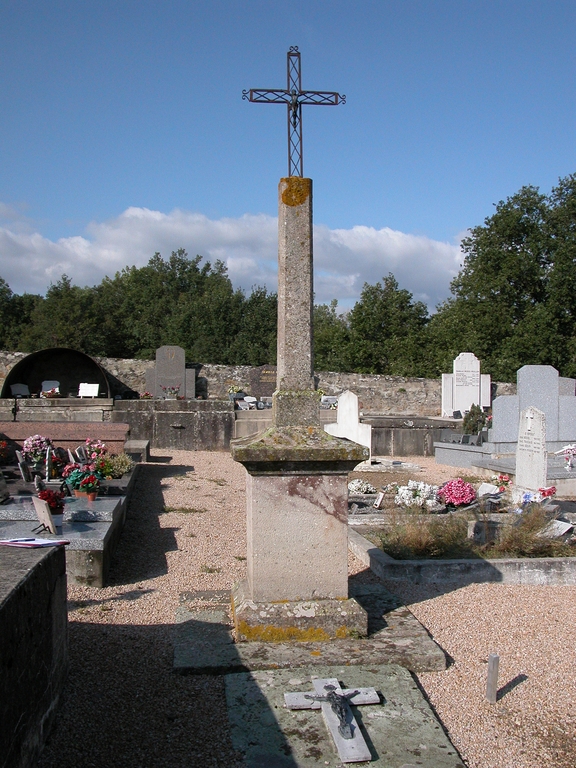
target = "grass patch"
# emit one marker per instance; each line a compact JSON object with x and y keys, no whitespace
{"x":422,"y":536}
{"x":185,"y":510}
{"x":417,"y":536}
{"x":217,"y":481}
{"x":239,"y":557}
{"x":208,"y":569}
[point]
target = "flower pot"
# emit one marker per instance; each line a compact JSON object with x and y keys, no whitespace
{"x":90,"y":495}
{"x":57,"y":517}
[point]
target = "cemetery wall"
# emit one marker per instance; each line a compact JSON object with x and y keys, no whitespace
{"x":34,"y":642}
{"x":385,"y":395}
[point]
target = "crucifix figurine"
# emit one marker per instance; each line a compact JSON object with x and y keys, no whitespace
{"x":338,"y":716}
{"x":293,"y":96}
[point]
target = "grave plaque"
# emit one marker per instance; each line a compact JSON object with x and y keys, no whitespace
{"x":531,"y":454}
{"x":465,"y":386}
{"x":263,"y":381}
{"x":466,"y":381}
{"x":170,"y":370}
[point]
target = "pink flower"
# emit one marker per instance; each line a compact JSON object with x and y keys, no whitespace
{"x":457,"y":492}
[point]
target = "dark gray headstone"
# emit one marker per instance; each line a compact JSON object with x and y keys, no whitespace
{"x":263,"y":381}
{"x":170,"y":370}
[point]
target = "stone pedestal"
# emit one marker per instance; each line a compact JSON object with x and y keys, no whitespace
{"x":297,"y":525}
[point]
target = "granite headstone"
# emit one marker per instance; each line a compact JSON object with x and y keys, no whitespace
{"x":263,"y":381}
{"x":169,"y":371}
{"x":531,"y":454}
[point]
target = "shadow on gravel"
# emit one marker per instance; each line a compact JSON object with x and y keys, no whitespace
{"x":518,"y":680}
{"x":141,"y":551}
{"x":123,"y":706}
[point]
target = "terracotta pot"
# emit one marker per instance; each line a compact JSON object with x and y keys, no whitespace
{"x":90,"y":495}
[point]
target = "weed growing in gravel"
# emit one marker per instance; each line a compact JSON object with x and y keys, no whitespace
{"x":522,"y":540}
{"x":418,"y":536}
{"x":208,"y":569}
{"x":239,"y":557}
{"x":185,"y":510}
{"x":415,"y":536}
{"x":217,"y":480}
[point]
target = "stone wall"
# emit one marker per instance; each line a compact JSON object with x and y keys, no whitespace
{"x":385,"y":395}
{"x":34,"y":642}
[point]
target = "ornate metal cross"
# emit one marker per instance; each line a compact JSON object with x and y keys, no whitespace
{"x":335,"y":705}
{"x":293,"y":96}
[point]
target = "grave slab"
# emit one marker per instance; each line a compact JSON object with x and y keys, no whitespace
{"x":401,"y":730}
{"x":204,"y":642}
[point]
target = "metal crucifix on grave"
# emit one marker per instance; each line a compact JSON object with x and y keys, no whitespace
{"x":293,"y":96}
{"x":338,"y":716}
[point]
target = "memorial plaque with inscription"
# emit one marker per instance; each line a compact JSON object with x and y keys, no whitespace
{"x":531,"y":453}
{"x":263,"y":381}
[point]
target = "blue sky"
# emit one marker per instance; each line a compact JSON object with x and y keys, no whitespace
{"x":123,"y":132}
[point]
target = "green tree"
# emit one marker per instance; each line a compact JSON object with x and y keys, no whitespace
{"x":500,"y":294}
{"x":331,"y":338}
{"x":255,"y":341}
{"x":385,"y":330}
{"x":65,"y":318}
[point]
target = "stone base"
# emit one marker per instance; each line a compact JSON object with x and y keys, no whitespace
{"x":300,"y":621}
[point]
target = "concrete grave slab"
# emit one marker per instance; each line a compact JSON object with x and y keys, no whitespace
{"x":204,"y":642}
{"x":400,"y":730}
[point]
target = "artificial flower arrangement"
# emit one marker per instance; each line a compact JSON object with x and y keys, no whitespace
{"x":502,"y":481}
{"x":34,"y":448}
{"x":54,"y":392}
{"x":146,"y":395}
{"x":569,"y":452}
{"x":3,"y":449}
{"x":233,"y":389}
{"x":172,"y":391}
{"x":418,"y":494}
{"x":95,"y":448}
{"x":360,"y":486}
{"x":54,"y":499}
{"x":456,"y":493}
{"x":76,"y":476}
{"x":89,"y":483}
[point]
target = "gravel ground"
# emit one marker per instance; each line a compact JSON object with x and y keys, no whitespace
{"x":123,"y":705}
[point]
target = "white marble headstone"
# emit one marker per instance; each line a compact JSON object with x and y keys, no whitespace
{"x":466,"y":381}
{"x":348,"y":422}
{"x":531,"y":454}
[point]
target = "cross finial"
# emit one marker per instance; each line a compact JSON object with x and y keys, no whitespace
{"x":293,"y":96}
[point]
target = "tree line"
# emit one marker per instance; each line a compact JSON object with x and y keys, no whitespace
{"x":512,"y":303}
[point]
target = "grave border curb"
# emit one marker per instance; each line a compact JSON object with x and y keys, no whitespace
{"x":544,"y":571}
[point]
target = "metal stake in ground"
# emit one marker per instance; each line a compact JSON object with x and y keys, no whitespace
{"x":293,"y":96}
{"x":338,"y":716}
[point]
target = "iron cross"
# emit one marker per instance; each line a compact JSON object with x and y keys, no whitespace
{"x":293,"y":96}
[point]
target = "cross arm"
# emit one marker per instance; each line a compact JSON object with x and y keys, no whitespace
{"x":267,"y":96}
{"x":362,"y":696}
{"x":328,"y":98}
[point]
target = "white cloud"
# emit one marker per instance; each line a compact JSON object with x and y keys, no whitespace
{"x":344,"y":259}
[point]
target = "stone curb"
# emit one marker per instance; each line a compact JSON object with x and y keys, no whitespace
{"x":550,"y":571}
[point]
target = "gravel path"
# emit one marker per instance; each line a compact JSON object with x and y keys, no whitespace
{"x":123,"y":706}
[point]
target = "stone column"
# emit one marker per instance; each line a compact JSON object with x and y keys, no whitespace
{"x":296,"y":490}
{"x":295,"y":402}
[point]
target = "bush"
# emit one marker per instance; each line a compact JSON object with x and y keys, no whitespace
{"x":474,"y":421}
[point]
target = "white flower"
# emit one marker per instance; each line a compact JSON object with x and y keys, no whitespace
{"x":360,"y":486}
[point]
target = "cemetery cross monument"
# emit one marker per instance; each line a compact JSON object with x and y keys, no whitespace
{"x":296,"y":483}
